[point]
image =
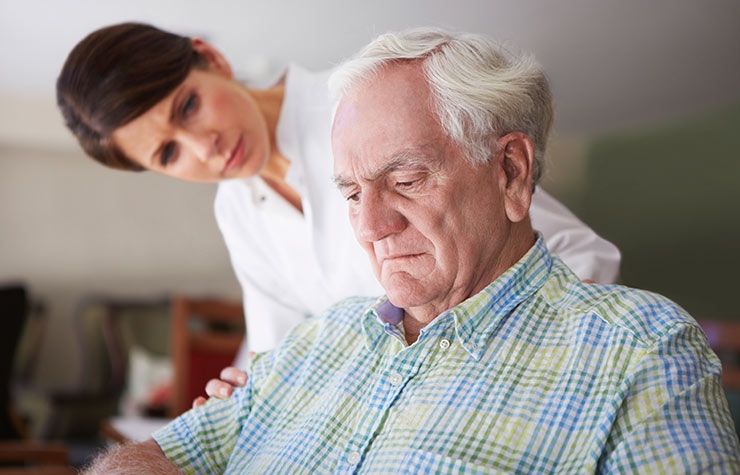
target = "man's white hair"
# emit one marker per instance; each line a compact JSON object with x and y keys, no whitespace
{"x":480,"y":91}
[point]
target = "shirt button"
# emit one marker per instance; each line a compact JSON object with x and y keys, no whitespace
{"x":396,"y":379}
{"x":353,"y":458}
{"x":444,"y":344}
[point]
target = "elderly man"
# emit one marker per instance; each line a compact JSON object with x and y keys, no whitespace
{"x":488,"y":354}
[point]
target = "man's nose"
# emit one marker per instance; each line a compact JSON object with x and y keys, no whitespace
{"x":202,"y":144}
{"x":377,"y":218}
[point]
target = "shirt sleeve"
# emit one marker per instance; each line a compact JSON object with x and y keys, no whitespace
{"x":202,"y":439}
{"x":675,"y":417}
{"x":585,"y":252}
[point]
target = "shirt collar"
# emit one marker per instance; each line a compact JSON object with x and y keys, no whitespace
{"x":476,"y":318}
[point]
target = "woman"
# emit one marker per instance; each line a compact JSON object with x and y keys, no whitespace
{"x":138,"y":98}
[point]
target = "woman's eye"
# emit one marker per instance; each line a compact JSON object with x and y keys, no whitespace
{"x":168,"y":154}
{"x":190,"y":105}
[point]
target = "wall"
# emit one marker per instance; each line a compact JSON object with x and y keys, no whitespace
{"x":70,"y":227}
{"x":668,"y":195}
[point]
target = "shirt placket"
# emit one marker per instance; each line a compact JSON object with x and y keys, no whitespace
{"x":391,"y":381}
{"x":397,"y":371}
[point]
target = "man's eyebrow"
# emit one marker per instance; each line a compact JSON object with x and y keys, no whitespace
{"x":342,"y":182}
{"x":408,"y":159}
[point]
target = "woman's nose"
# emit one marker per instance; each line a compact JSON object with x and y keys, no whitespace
{"x":203,"y":145}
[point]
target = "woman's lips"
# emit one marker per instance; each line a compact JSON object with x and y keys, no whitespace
{"x":236,"y":159}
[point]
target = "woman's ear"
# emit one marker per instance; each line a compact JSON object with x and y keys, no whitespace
{"x":216,"y":61}
{"x":517,"y":159}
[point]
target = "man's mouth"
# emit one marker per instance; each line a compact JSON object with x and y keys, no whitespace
{"x":400,"y":257}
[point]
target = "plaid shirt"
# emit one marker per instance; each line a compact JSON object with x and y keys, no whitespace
{"x":537,"y":373}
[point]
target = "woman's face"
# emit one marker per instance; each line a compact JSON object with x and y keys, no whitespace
{"x":208,"y":129}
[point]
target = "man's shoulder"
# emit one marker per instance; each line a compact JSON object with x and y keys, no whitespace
{"x":644,"y":314}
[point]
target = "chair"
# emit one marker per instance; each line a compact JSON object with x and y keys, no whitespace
{"x":34,"y":458}
{"x":103,"y":332}
{"x":206,"y":335}
{"x":18,"y":454}
{"x":14,"y":308}
{"x":724,"y":338}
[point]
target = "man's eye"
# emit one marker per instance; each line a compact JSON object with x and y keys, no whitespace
{"x":190,"y":105}
{"x":168,"y":154}
{"x":354,"y":197}
{"x":406,"y":184}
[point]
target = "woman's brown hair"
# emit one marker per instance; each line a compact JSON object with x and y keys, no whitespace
{"x":114,"y":75}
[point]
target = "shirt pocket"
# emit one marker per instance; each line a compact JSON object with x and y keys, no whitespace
{"x":421,"y":461}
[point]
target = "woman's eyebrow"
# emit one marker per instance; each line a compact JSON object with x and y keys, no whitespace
{"x":155,"y":154}
{"x":172,"y":116}
{"x":177,"y":95}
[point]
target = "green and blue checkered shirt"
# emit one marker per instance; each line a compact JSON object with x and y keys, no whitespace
{"x":537,"y":373}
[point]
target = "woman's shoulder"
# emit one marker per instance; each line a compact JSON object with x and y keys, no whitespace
{"x":299,"y":74}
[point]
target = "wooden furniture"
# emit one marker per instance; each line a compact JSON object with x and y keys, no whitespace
{"x":206,"y":335}
{"x":724,"y":338}
{"x":104,"y":330}
{"x":14,"y":312}
{"x":121,"y":429}
{"x":29,"y":457}
{"x":19,"y":453}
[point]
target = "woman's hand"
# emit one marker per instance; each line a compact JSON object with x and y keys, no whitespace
{"x":223,"y":387}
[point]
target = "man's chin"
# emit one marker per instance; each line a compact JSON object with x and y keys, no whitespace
{"x":404,"y":291}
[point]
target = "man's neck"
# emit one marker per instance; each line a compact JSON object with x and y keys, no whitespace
{"x":520,"y":241}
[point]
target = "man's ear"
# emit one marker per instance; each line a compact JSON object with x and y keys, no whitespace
{"x":216,"y":61}
{"x":517,"y":158}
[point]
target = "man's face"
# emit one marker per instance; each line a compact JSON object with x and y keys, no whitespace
{"x":432,"y":224}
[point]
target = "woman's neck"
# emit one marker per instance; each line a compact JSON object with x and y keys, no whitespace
{"x":270,"y":102}
{"x":274,"y":173}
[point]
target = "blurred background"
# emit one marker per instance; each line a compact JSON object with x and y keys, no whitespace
{"x":645,"y":148}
